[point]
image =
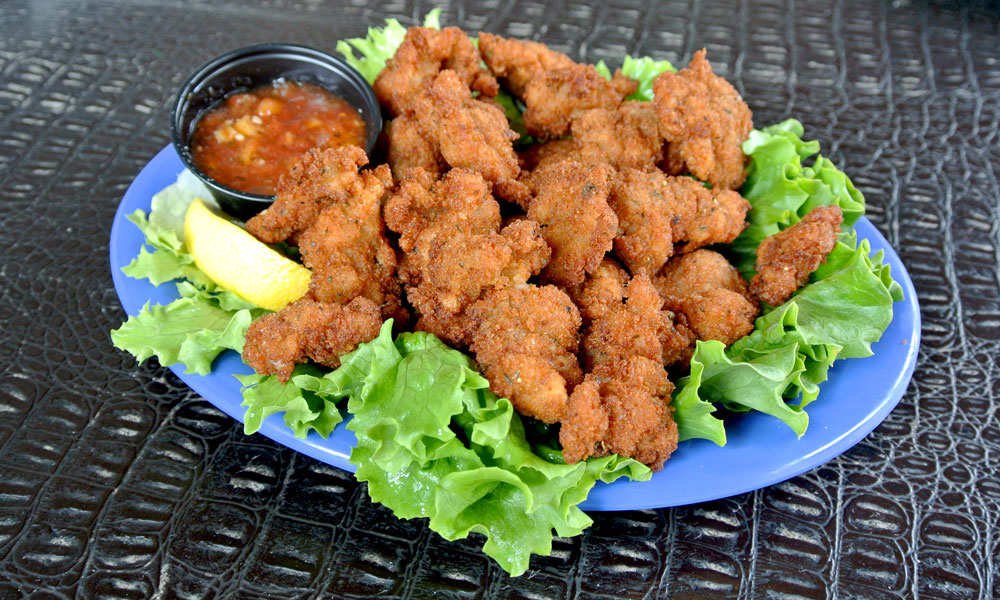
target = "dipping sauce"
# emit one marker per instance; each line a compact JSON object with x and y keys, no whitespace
{"x":253,"y":138}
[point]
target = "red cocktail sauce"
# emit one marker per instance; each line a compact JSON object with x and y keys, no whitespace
{"x":253,"y":138}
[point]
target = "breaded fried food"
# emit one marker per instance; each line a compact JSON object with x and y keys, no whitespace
{"x":347,"y":250}
{"x":601,"y":291}
{"x":644,"y":204}
{"x":307,"y":329}
{"x":703,"y":216}
{"x":554,"y":97}
{"x":319,"y":179}
{"x":409,"y":149}
{"x":516,"y":62}
{"x":423,"y":54}
{"x":547,"y":153}
{"x":623,"y":409}
{"x":705,"y":123}
{"x":627,"y":136}
{"x":468,"y":134}
{"x":572,"y":209}
{"x":525,"y":343}
{"x":785,"y":259}
{"x":710,"y":293}
{"x":453,"y":251}
{"x":635,"y":325}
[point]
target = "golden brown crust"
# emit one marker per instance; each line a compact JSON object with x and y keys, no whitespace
{"x":702,"y":216}
{"x":554,"y":97}
{"x":705,"y":123}
{"x":525,"y":342}
{"x":319,"y":179}
{"x":627,"y":136}
{"x":572,"y":209}
{"x":420,"y":57}
{"x":516,"y":62}
{"x":785,"y":260}
{"x":307,"y":329}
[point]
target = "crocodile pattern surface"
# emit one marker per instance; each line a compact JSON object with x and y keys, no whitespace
{"x":117,"y":481}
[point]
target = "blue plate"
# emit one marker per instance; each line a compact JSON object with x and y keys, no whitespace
{"x":761,"y":450}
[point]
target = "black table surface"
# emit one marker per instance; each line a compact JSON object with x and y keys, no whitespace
{"x":117,"y":481}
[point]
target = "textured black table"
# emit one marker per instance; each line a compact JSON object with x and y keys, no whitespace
{"x":116,"y":481}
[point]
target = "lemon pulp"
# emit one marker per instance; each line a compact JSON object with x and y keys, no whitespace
{"x":239,"y":262}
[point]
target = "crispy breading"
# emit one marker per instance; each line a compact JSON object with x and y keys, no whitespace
{"x":601,"y":291}
{"x":525,"y":342}
{"x":307,"y":329}
{"x":319,"y":179}
{"x":572,"y":209}
{"x":621,"y":409}
{"x":409,"y":149}
{"x":705,"y":123}
{"x":347,"y":250}
{"x":785,"y":260}
{"x":453,"y":250}
{"x":547,"y":153}
{"x":517,"y":61}
{"x":702,"y":216}
{"x":644,"y":204}
{"x":423,"y":54}
{"x":554,"y":97}
{"x":468,"y":134}
{"x":625,"y":136}
{"x":710,"y":293}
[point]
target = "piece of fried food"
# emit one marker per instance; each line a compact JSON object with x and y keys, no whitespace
{"x":703,"y":216}
{"x":453,"y":250}
{"x":627,"y":136}
{"x":307,"y":329}
{"x":319,"y":179}
{"x":347,"y":250}
{"x":635,"y":325}
{"x":468,"y":134}
{"x":602,"y":290}
{"x":423,"y":54}
{"x":525,"y":343}
{"x":409,"y":149}
{"x":572,"y":209}
{"x":710,"y":293}
{"x":621,"y":409}
{"x":705,"y":122}
{"x":785,"y":260}
{"x":644,"y":204}
{"x":547,"y":153}
{"x":516,"y":62}
{"x":554,"y":97}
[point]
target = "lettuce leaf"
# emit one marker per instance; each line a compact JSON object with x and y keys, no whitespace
{"x":782,"y":190}
{"x":376,"y":48}
{"x":643,"y":69}
{"x":306,"y":402}
{"x":434,"y":442}
{"x":205,"y":320}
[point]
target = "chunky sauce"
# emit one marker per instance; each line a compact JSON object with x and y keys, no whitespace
{"x":253,"y":138}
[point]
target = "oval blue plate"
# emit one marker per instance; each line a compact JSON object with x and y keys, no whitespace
{"x":761,"y":450}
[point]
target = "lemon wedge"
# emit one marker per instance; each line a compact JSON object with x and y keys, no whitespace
{"x":239,"y":262}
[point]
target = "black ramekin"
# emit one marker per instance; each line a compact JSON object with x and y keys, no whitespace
{"x":251,"y":66}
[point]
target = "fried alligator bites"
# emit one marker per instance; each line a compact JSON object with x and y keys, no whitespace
{"x":469,"y":134}
{"x":319,"y":179}
{"x":786,"y":259}
{"x":622,"y":409}
{"x":601,"y":291}
{"x":547,"y":153}
{"x":554,"y":97}
{"x":710,"y":293}
{"x":423,"y":54}
{"x":409,"y":149}
{"x":572,"y":209}
{"x":705,"y":123}
{"x":702,"y":216}
{"x":347,"y":250}
{"x":307,"y":329}
{"x":625,"y":136}
{"x":516,"y":62}
{"x":643,"y":202}
{"x":453,"y":250}
{"x":525,"y":342}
